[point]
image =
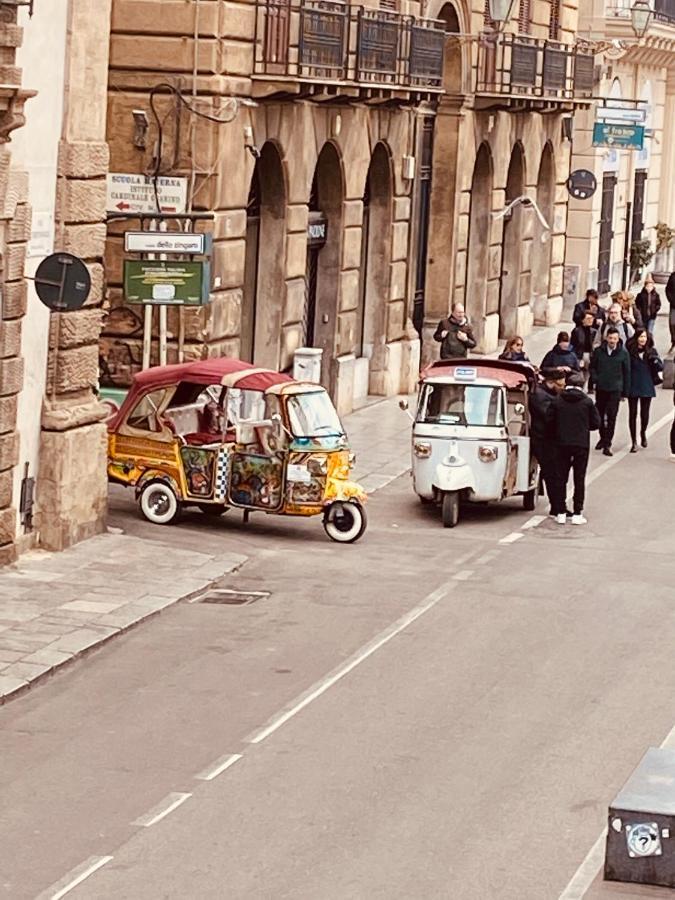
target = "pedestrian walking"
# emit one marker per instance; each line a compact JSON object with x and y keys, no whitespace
{"x":610,"y":368}
{"x":574,"y":416}
{"x":670,"y":296}
{"x":561,"y":356}
{"x":455,"y":334}
{"x":645,"y":372}
{"x":629,"y":311}
{"x":542,"y":438}
{"x":649,"y":303}
{"x":513,"y":350}
{"x":582,"y":340}
{"x":589,"y":304}
{"x":615,"y":320}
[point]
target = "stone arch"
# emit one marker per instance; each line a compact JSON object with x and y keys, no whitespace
{"x":452,"y":57}
{"x":264,"y":271}
{"x":512,"y":244}
{"x":324,"y":262}
{"x":541,"y":249}
{"x":375,"y":258}
{"x":479,"y":240}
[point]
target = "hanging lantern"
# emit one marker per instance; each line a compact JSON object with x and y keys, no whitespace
{"x":641,"y":15}
{"x":500,"y":10}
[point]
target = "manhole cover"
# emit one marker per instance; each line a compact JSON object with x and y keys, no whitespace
{"x":233,"y":598}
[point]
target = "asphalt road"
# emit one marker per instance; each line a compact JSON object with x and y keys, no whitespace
{"x":425,"y":714}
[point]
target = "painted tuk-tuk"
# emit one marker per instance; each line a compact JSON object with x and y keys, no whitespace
{"x":222,"y":433}
{"x":471,"y":434}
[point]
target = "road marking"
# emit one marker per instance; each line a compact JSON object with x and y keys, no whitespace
{"x":220,"y":765}
{"x":511,"y":538}
{"x":325,"y":683}
{"x":487,"y":557}
{"x":464,"y":575}
{"x":533,"y":522}
{"x":585,"y":874}
{"x":74,"y":877}
{"x":161,"y":810}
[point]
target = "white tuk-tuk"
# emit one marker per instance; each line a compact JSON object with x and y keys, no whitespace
{"x":470,"y":436}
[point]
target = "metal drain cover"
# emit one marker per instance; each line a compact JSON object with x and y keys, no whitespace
{"x":233,"y":598}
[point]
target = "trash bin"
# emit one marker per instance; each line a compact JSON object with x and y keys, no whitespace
{"x":641,"y":824}
{"x":307,"y":364}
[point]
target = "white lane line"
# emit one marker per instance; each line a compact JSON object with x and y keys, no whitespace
{"x":219,"y":767}
{"x":533,"y":522}
{"x":73,"y":878}
{"x":487,"y":557}
{"x":168,"y":804}
{"x":584,"y":876}
{"x":325,"y":683}
{"x":463,"y":575}
{"x":511,"y":538}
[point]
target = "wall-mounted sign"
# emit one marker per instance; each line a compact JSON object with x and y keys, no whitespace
{"x":630,"y":137}
{"x":620,"y":114}
{"x":163,"y":282}
{"x":317,"y":229}
{"x":581,"y":184}
{"x":163,"y":242}
{"x":62,"y":282}
{"x":130,"y":193}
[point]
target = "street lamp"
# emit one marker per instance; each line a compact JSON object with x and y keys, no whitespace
{"x":500,"y":11}
{"x":641,"y":15}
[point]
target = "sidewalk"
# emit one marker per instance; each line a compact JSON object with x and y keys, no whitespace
{"x":56,"y":607}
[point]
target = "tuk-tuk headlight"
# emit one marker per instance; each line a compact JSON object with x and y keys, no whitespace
{"x":487,"y":454}
{"x":422,"y":449}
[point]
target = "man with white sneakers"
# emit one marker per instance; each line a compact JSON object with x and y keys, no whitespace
{"x":573,"y":416}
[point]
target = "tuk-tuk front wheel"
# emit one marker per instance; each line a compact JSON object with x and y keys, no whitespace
{"x":450,"y":509}
{"x":159,"y":503}
{"x":345,"y":522}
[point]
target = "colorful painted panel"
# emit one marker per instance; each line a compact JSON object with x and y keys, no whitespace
{"x":305,"y":483}
{"x":256,"y":481}
{"x":198,"y":465}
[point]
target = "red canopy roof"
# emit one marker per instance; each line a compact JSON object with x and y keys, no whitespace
{"x":511,"y":374}
{"x":205,"y":371}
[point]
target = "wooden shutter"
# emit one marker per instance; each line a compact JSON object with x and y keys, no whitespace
{"x":554,"y":21}
{"x":524,"y":17}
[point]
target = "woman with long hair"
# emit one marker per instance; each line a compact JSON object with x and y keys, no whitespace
{"x":513,"y":350}
{"x":645,"y":369}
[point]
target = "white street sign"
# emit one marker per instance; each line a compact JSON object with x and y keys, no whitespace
{"x":163,"y":242}
{"x":620,"y":114}
{"x":128,"y":193}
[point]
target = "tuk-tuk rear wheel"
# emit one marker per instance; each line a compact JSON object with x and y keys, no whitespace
{"x":450,"y":509}
{"x":159,"y":503}
{"x":345,"y":522}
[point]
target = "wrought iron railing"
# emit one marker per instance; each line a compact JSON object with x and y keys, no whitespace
{"x":332,"y":41}
{"x":519,"y":65}
{"x":664,"y":11}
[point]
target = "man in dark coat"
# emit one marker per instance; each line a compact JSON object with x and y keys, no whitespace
{"x":561,"y":356}
{"x":574,"y":416}
{"x":589,"y":304}
{"x":648,"y":303}
{"x":455,"y":334}
{"x":542,"y":441}
{"x":670,"y":294}
{"x":610,"y":370}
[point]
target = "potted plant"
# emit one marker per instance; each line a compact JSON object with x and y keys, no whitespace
{"x":663,"y":258}
{"x":641,"y":255}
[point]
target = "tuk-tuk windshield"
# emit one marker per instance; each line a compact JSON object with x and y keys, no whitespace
{"x":461,"y":404}
{"x":313,"y":415}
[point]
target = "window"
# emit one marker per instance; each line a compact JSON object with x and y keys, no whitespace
{"x":554,"y":21}
{"x":313,"y":415}
{"x":460,"y":404}
{"x":524,"y":17}
{"x":144,"y":415}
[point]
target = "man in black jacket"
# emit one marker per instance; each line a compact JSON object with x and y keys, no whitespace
{"x":542,"y":441}
{"x":574,"y":416}
{"x":589,"y":304}
{"x":610,"y":371}
{"x":455,"y":334}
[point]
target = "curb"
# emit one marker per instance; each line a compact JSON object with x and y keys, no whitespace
{"x":22,"y":687}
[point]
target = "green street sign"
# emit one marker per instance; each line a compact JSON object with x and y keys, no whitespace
{"x":167,"y":283}
{"x":630,"y":137}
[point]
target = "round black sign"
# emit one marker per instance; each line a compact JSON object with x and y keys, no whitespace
{"x":62,"y":281}
{"x":581,"y":184}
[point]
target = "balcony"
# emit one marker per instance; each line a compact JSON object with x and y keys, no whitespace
{"x":664,"y":11}
{"x":520,"y":72}
{"x":328,"y":49}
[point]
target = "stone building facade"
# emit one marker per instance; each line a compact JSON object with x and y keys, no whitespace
{"x":313,"y":189}
{"x":635,"y":188}
{"x":502,"y":132}
{"x":52,"y":441}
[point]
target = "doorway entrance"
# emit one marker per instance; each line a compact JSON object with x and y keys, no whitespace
{"x":606,"y":233}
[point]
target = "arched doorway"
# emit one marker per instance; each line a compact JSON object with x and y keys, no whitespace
{"x":375,"y":259}
{"x":264,"y":271}
{"x":322,"y":277}
{"x":475,"y":298}
{"x":452,"y":54}
{"x":512,"y":244}
{"x":541,"y":248}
